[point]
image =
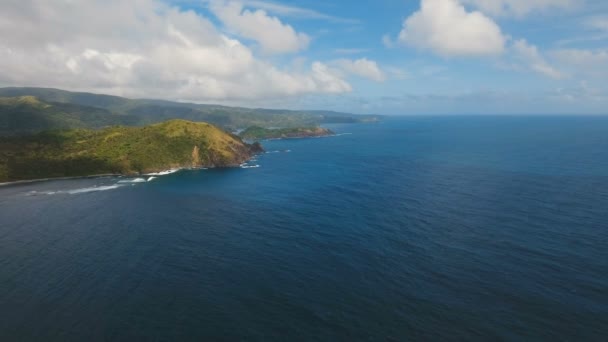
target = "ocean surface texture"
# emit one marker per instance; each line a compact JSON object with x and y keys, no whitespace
{"x":444,"y":228}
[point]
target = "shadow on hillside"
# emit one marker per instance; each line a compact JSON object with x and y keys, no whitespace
{"x":38,"y":168}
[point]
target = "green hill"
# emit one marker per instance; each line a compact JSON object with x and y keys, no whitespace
{"x":27,"y":115}
{"x":114,"y":110}
{"x":120,"y":150}
{"x":259,"y":133}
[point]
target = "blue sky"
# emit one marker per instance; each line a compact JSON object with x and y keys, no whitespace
{"x":384,"y":56}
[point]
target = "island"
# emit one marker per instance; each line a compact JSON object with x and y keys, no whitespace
{"x":256,"y":133}
{"x":52,"y":133}
{"x":120,"y":150}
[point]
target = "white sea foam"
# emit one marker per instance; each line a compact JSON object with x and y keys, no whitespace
{"x":163,"y":173}
{"x":41,"y":193}
{"x":93,"y":189}
{"x":250,"y":166}
{"x":135,"y":180}
{"x":151,"y":179}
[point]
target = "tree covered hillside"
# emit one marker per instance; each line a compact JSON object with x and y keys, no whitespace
{"x":27,"y":115}
{"x":120,"y":150}
{"x":85,"y":110}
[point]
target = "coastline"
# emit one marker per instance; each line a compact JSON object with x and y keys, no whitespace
{"x":37,"y":180}
{"x":309,"y":137}
{"x":161,"y":173}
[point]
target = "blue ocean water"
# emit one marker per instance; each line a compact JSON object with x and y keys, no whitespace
{"x":416,"y":228}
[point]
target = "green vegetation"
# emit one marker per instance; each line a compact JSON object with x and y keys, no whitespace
{"x":46,"y":109}
{"x":27,"y":114}
{"x":120,"y":150}
{"x":259,"y":133}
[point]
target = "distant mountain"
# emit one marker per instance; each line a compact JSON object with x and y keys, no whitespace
{"x":64,"y":109}
{"x":120,"y":150}
{"x":27,"y":114}
{"x":62,"y":96}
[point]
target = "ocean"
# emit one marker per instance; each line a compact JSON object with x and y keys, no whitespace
{"x":414,"y":228}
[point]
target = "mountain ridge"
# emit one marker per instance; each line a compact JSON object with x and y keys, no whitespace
{"x":140,"y":112}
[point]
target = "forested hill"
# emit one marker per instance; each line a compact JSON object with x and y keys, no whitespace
{"x":120,"y":150}
{"x":27,"y":115}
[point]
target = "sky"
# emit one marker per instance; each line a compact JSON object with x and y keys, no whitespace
{"x":377,"y":57}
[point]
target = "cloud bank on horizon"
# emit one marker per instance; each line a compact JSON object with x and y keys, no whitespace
{"x":388,"y":57}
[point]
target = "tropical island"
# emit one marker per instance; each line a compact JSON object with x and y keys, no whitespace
{"x":51,"y":133}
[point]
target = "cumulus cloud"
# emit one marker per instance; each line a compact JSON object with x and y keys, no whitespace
{"x":446,"y":28}
{"x":361,"y":67}
{"x":141,"y":48}
{"x":272,"y":35}
{"x":519,"y":8}
{"x":532,"y":58}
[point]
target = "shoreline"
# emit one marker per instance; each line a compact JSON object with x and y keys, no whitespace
{"x":104,"y":175}
{"x":309,"y":137}
{"x":161,"y":173}
{"x":39,"y":180}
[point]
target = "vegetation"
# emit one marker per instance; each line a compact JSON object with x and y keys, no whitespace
{"x":259,"y":133}
{"x":27,"y":115}
{"x":120,"y":150}
{"x":29,"y":110}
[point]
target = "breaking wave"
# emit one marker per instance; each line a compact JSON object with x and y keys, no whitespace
{"x":93,"y":189}
{"x":135,"y":180}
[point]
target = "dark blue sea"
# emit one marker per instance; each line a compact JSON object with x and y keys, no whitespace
{"x":415,"y":228}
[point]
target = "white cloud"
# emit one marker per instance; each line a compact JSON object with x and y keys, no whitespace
{"x":296,"y":12}
{"x":595,"y":30}
{"x":533,"y":59}
{"x":581,"y":57}
{"x":141,"y":48}
{"x":597,"y":23}
{"x":272,"y":35}
{"x":388,"y":42}
{"x":591,"y":64}
{"x":361,"y":67}
{"x":447,"y":29}
{"x":519,"y":8}
{"x":396,"y":73}
{"x":328,"y":79}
